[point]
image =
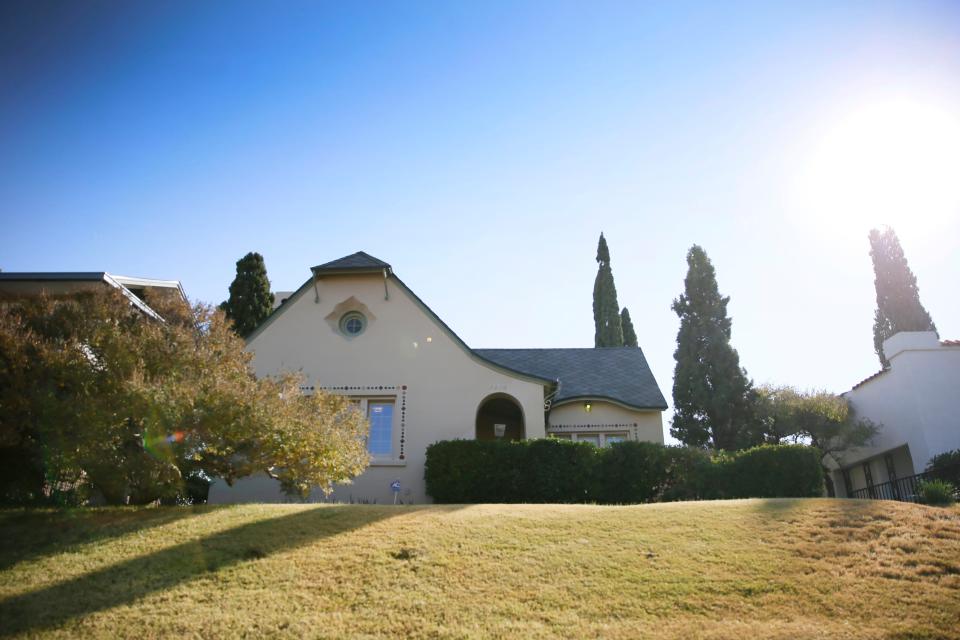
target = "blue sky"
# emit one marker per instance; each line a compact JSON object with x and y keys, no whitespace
{"x":482,"y":147}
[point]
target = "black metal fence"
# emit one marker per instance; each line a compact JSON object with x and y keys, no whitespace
{"x":902,"y":489}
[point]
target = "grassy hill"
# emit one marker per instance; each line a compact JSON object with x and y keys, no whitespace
{"x":749,"y":568}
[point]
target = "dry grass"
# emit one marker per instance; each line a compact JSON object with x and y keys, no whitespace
{"x":752,"y":568}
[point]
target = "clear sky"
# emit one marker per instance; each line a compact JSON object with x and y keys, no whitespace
{"x":481,"y":147}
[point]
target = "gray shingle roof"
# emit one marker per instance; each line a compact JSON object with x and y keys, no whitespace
{"x":617,"y":373}
{"x":359,"y":261}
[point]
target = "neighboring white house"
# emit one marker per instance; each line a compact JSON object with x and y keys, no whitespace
{"x":356,"y":329}
{"x":916,"y":402}
{"x":15,"y":285}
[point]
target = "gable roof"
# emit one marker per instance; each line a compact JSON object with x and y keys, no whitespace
{"x":365,"y":265}
{"x":620,"y":374}
{"x":359,"y":262}
{"x":128,"y":286}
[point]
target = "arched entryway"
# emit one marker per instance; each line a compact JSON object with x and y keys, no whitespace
{"x":500,"y":409}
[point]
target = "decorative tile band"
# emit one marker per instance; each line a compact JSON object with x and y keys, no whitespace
{"x":624,"y":425}
{"x":403,"y":418}
{"x":362,"y":388}
{"x":568,"y":428}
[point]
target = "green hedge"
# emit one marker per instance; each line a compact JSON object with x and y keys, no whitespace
{"x":552,"y":470}
{"x":771,"y":471}
{"x":548,"y":470}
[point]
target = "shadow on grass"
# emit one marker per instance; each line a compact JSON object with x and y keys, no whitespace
{"x":778,"y":505}
{"x":26,"y":534}
{"x":133,"y":579}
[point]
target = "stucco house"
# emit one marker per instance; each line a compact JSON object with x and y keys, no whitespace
{"x":916,"y":403}
{"x":355,"y":328}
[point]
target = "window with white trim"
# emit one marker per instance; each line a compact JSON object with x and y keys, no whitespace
{"x":380,"y":414}
{"x":597,"y":439}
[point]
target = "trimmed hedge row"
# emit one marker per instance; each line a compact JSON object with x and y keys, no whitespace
{"x":553,"y":470}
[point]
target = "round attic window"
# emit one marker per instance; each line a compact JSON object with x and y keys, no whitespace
{"x":352,"y":323}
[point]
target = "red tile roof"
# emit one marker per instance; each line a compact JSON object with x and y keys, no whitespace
{"x":950,"y":343}
{"x":868,"y":379}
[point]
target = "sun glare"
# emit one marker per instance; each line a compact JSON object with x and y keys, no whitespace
{"x":891,"y":162}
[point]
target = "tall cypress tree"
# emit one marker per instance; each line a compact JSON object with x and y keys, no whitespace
{"x":606,"y":310}
{"x":250,"y":298}
{"x":711,"y":393}
{"x":898,"y":298}
{"x":629,"y":335}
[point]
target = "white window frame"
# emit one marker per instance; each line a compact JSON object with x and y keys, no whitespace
{"x":602,"y":437}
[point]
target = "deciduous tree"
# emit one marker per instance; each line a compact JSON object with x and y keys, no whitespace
{"x":821,"y":419}
{"x":101,"y":400}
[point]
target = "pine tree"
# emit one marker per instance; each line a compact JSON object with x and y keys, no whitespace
{"x":711,"y":393}
{"x":606,"y":310}
{"x":898,"y":298}
{"x":250,"y":298}
{"x":629,"y":335}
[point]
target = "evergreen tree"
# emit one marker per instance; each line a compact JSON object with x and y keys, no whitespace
{"x":712,"y":395}
{"x":629,"y":335}
{"x":250,"y":298}
{"x":606,"y":310}
{"x":898,"y":298}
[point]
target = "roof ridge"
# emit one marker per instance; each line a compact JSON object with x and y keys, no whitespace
{"x":356,"y":261}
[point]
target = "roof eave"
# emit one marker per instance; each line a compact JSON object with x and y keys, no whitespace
{"x":459,"y":341}
{"x":617,"y":401}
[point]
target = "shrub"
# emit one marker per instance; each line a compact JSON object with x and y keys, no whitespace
{"x":546,"y":470}
{"x":692,"y":474}
{"x":946,"y":467}
{"x":772,"y":471}
{"x":936,"y":492}
{"x":632,"y":472}
{"x":554,"y":470}
{"x":551,"y":470}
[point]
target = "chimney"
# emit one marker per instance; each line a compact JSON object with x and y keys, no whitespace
{"x":910,"y":341}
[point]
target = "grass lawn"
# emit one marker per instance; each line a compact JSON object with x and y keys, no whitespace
{"x":745,"y":569}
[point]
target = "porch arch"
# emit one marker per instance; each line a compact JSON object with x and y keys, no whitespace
{"x":500,"y":408}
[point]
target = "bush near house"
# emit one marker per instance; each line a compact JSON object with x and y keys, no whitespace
{"x":770,"y":471}
{"x":550,"y":470}
{"x":937,"y":493}
{"x":946,"y":466}
{"x":547,"y":470}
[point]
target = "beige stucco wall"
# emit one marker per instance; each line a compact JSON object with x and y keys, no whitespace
{"x":606,"y":417}
{"x":403,"y":354}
